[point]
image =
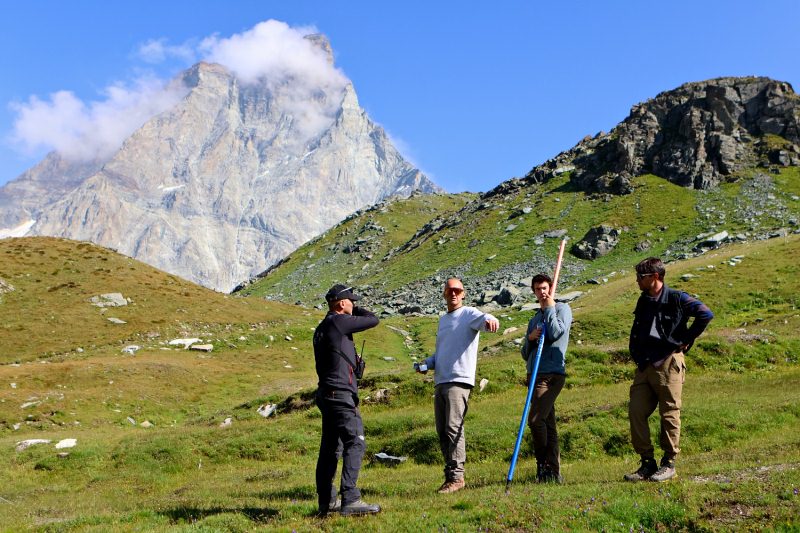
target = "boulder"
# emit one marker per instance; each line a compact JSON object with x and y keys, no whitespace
{"x":111,"y":299}
{"x":597,"y":242}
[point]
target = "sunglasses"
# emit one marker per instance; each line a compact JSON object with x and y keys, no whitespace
{"x":453,"y":290}
{"x":642,"y":276}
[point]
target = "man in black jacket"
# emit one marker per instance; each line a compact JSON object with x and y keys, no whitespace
{"x":660,"y":337}
{"x":339,"y":368}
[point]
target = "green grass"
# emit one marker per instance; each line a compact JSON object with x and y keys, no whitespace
{"x":739,"y":468}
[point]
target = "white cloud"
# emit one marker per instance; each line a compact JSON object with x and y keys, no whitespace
{"x":85,"y":131}
{"x":293,"y":68}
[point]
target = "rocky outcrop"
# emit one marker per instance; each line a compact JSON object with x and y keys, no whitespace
{"x":226,"y":183}
{"x":694,"y":136}
{"x":597,"y":242}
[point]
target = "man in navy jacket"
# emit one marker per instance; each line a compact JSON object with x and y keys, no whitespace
{"x":660,"y":337}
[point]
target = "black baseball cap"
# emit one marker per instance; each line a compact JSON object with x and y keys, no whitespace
{"x":341,"y":292}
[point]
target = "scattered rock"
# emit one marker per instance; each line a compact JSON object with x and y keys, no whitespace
{"x":29,"y":404}
{"x":714,"y":241}
{"x":5,"y":286}
{"x":186,"y":343}
{"x":569,"y":296}
{"x":267,"y":409}
{"x":510,"y":330}
{"x":387,"y":459}
{"x":25,"y":444}
{"x":381,"y":395}
{"x":226,"y":423}
{"x":132,"y":349}
{"x":388,"y":358}
{"x":146,"y":424}
{"x":66,"y":443}
{"x":482,"y":384}
{"x":554,"y":234}
{"x":202,"y":347}
{"x":131,"y":421}
{"x":112,"y":299}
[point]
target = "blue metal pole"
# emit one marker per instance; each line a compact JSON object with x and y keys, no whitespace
{"x":531,"y":386}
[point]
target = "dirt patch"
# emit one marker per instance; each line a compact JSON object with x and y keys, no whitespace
{"x":760,"y":473}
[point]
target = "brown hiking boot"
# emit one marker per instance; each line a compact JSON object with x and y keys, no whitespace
{"x":667,"y":471}
{"x":647,"y":469}
{"x":452,"y":486}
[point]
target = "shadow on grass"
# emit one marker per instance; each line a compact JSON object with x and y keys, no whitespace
{"x":193,"y":514}
{"x":306,"y":492}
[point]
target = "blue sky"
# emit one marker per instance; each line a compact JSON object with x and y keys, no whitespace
{"x":473,"y":93}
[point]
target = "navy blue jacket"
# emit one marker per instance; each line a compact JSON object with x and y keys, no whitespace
{"x":334,"y":351}
{"x":660,"y":325}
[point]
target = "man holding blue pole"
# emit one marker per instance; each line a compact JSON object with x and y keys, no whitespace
{"x":550,"y":378}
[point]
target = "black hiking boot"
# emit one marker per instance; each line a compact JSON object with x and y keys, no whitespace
{"x":645,"y":471}
{"x":334,"y":507}
{"x":548,"y":475}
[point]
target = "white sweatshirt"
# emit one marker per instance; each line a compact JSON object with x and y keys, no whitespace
{"x":456,"y":355}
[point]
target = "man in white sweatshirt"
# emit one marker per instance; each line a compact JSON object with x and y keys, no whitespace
{"x":454,"y":363}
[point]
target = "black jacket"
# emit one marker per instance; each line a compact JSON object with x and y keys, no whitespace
{"x":660,"y":326}
{"x":334,"y":351}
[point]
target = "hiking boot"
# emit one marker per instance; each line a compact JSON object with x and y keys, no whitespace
{"x":549,"y":476}
{"x":667,"y":471}
{"x":452,"y":486}
{"x":335,"y":507}
{"x":647,"y":469}
{"x":359,"y":507}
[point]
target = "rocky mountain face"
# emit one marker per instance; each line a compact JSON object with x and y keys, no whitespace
{"x":226,"y":183}
{"x":695,"y":136}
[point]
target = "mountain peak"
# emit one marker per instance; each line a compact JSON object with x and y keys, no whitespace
{"x":230,"y":180}
{"x":695,"y":135}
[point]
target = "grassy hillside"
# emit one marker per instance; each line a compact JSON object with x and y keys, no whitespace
{"x":352,"y":251}
{"x":493,"y":232}
{"x":49,"y":314}
{"x":740,"y":466}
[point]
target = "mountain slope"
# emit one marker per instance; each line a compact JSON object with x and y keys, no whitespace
{"x":498,"y":240}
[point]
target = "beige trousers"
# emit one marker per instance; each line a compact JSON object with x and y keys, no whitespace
{"x":658,"y":387}
{"x":450,"y":402}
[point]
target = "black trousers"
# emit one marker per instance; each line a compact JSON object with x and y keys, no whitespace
{"x":542,"y":420}
{"x":342,"y":436}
